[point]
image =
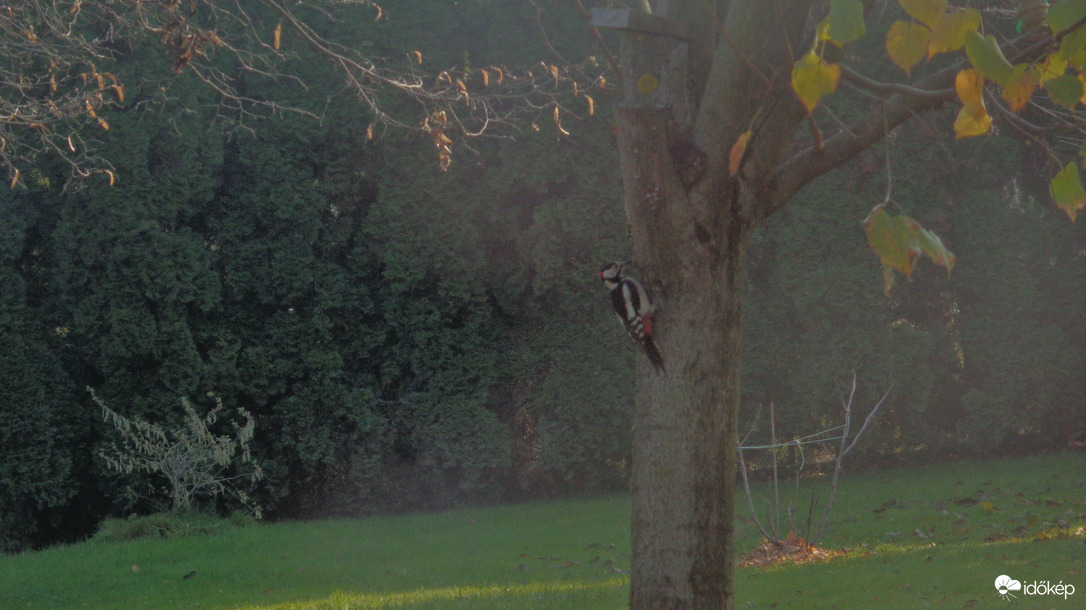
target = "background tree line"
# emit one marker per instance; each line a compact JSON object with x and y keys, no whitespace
{"x":407,"y":338}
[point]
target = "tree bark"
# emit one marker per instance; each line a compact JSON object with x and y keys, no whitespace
{"x":684,"y":422}
{"x":693,"y":88}
{"x":690,"y":222}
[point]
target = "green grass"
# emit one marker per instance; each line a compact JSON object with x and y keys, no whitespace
{"x":935,"y":536}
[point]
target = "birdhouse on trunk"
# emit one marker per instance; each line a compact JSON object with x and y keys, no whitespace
{"x":653,"y":55}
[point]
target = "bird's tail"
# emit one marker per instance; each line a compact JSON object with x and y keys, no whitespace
{"x":655,"y":358}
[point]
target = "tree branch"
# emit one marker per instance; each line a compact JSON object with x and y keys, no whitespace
{"x":903,"y":103}
{"x":804,"y":167}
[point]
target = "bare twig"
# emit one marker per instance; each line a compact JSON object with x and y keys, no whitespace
{"x":844,"y":450}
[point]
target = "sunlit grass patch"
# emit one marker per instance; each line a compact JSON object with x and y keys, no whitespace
{"x":914,"y":576}
{"x":605,"y":593}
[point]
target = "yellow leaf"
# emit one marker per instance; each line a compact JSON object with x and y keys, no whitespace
{"x":418,"y":56}
{"x":735,"y":157}
{"x":119,"y":90}
{"x":380,"y":13}
{"x":969,"y":84}
{"x":486,"y":77}
{"x":949,"y":33}
{"x":907,"y":44}
{"x":1054,"y":66}
{"x":1019,"y":87}
{"x":812,"y":78}
{"x":928,"y":12}
{"x":591,"y":105}
{"x":973,"y":120}
{"x":15,"y":178}
{"x":277,"y":35}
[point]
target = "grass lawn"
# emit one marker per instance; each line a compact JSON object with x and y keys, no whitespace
{"x":935,"y":536}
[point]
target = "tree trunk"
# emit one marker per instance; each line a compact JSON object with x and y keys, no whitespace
{"x":684,"y":424}
{"x":690,"y":222}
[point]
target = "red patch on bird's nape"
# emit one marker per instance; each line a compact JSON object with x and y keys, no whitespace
{"x":646,"y":324}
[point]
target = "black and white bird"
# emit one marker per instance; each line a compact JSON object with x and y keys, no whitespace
{"x":633,"y":308}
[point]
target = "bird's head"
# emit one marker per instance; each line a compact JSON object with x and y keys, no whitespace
{"x":611,"y":272}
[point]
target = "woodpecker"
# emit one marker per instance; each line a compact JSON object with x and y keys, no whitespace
{"x":634,"y":309}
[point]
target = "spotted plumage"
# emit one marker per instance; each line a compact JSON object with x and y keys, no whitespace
{"x":634,"y":309}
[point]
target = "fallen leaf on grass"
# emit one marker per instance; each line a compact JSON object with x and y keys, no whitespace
{"x":794,"y":550}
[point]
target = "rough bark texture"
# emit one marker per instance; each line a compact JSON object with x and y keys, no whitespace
{"x":690,"y":223}
{"x":690,"y":220}
{"x":684,"y":425}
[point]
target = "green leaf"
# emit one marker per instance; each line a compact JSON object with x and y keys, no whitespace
{"x":987,"y":57}
{"x":1066,"y":14}
{"x":846,"y":21}
{"x":1072,"y":46}
{"x":1065,"y":90}
{"x":1067,"y":191}
{"x":907,"y":43}
{"x":893,"y":239}
{"x":899,"y":241}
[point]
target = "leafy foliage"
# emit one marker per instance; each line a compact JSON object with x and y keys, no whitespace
{"x":194,"y":461}
{"x":410,"y":338}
